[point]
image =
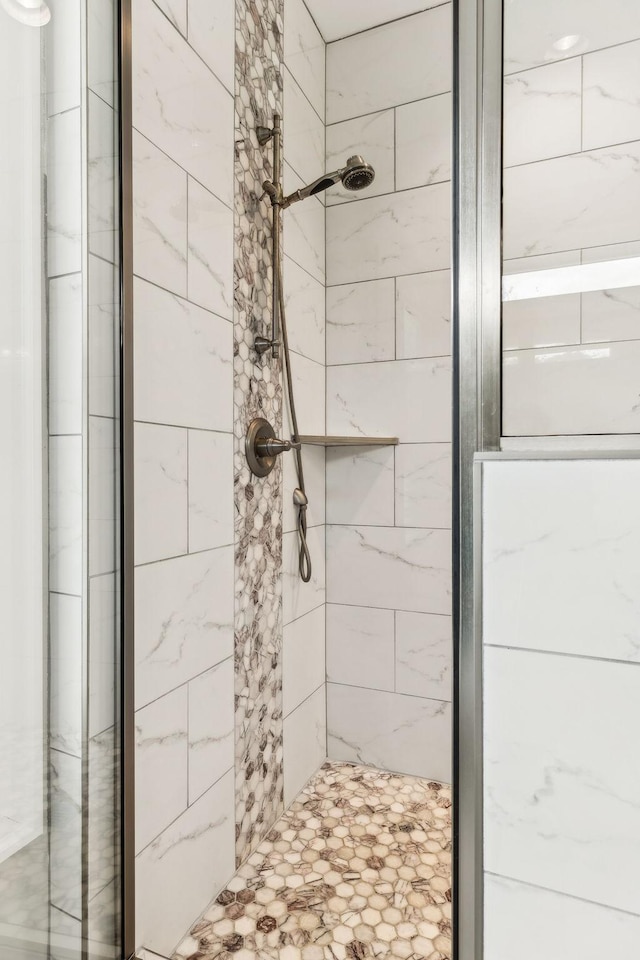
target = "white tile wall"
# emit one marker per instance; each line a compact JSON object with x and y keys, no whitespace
{"x":570,"y":926}
{"x":212,"y":35}
{"x":304,"y":743}
{"x":391,"y":731}
{"x":303,"y":658}
{"x":304,"y":53}
{"x":393,"y":64}
{"x":389,"y":374}
{"x":210,"y":257}
{"x":211,"y":727}
{"x":210,"y":477}
{"x":160,"y":490}
{"x":562,"y":829}
{"x":611,"y":79}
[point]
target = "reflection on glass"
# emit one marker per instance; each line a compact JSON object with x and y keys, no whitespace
{"x":571,"y":217}
{"x":59,"y":607}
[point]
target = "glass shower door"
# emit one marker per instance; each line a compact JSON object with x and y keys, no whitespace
{"x":59,"y":482}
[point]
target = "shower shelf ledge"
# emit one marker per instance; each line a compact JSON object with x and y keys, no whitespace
{"x":318,"y":441}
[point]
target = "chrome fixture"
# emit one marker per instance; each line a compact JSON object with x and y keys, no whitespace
{"x":262,"y":447}
{"x":356,"y":175}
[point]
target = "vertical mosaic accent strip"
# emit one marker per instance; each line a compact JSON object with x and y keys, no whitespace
{"x":257,"y":393}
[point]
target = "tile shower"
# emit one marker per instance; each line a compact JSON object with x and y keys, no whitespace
{"x":239,"y":702}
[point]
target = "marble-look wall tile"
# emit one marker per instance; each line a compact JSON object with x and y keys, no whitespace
{"x":210,"y":251}
{"x":371,"y":137}
{"x":389,"y":236}
{"x":543,"y":322}
{"x":304,"y":229}
{"x":178,"y":104}
{"x":305,"y":743}
{"x":298,"y":597}
{"x":211,"y":514}
{"x":184,"y":617}
{"x":183,"y":362}
{"x":423,"y":655}
{"x":423,"y":485}
{"x":211,"y":734}
{"x":65,"y":354}
{"x":65,"y":679}
{"x":161,"y":765}
{"x":562,"y":808}
{"x":101,"y":34}
{"x":102,"y":173}
{"x":543,"y":112}
{"x":414,"y":59}
{"x":160,"y":491}
{"x":65,"y":832}
{"x":303,"y":658}
{"x":584,"y":200}
{"x":304,"y":298}
{"x":176,"y":12}
{"x":64,"y":200}
{"x":211,"y":34}
{"x":610,"y":105}
{"x":309,"y":391}
{"x":178,"y":872}
{"x":103,"y":650}
{"x":524,"y":921}
{"x":402,"y":569}
{"x":423,"y":142}
{"x":304,"y":53}
{"x":423,"y":315}
{"x":603,"y":397}
{"x":65,"y":514}
{"x":62,"y":52}
{"x":360,"y":646}
{"x":611,"y":315}
{"x":313,"y":459}
{"x":409,"y":399}
{"x":568,"y":533}
{"x":526,"y":30}
{"x":360,"y":485}
{"x":304,"y":133}
{"x":404,"y":734}
{"x":103,"y":509}
{"x":103,"y":303}
{"x":361,"y":322}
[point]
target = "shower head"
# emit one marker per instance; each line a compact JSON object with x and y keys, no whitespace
{"x":356,"y":175}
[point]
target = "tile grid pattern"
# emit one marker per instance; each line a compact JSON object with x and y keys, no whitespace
{"x":358,"y":867}
{"x":571,"y":141}
{"x":561,"y":608}
{"x":388,"y":373}
{"x":183,"y":342}
{"x":258,"y":393}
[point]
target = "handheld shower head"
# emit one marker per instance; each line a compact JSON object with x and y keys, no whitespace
{"x":356,"y":175}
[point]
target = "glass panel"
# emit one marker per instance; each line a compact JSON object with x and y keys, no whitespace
{"x":571,"y":218}
{"x":59,"y":331}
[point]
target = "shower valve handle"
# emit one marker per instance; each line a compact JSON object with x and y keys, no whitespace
{"x":272,"y":447}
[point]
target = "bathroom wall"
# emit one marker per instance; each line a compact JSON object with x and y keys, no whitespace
{"x":571,"y":198}
{"x":561,"y":608}
{"x":304,"y":690}
{"x":389,"y":374}
{"x":230,"y":700}
{"x":183,"y":115}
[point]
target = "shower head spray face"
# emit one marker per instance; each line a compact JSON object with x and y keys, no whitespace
{"x":357,"y":174}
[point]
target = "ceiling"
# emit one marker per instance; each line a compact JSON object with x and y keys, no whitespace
{"x":340,"y":18}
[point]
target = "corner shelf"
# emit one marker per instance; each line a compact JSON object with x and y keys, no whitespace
{"x":318,"y":441}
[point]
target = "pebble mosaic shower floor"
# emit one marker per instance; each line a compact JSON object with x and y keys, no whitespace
{"x":358,"y":867}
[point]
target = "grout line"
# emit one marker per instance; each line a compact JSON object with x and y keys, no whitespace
{"x":401,"y":190}
{"x":565,"y":156}
{"x":562,"y":653}
{"x":177,"y":426}
{"x":302,"y":702}
{"x":368,"y":606}
{"x":560,"y":893}
{"x":588,"y":53}
{"x":185,"y":683}
{"x":172,"y":293}
{"x":388,"y":23}
{"x":412,"y":696}
{"x":183,"y":556}
{"x":393,"y":106}
{"x":302,"y":90}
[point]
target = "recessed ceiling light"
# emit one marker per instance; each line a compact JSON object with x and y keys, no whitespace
{"x":33,"y":13}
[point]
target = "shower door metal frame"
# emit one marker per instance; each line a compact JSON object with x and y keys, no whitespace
{"x":127,"y":655}
{"x":477,"y":186}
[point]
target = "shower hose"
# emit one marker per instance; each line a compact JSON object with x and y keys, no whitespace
{"x":300,"y":495}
